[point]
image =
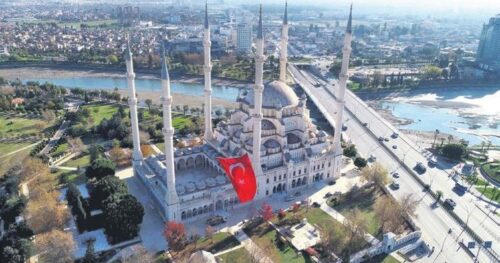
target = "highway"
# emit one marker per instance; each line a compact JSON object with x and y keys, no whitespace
{"x":433,"y":220}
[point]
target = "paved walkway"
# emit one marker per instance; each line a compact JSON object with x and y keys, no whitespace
{"x":22,"y":149}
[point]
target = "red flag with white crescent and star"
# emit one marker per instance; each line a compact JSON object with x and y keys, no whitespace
{"x":240,"y":172}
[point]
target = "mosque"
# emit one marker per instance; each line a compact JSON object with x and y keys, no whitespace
{"x":271,"y":124}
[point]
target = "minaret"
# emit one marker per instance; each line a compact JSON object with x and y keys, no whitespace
{"x":132,"y":102}
{"x":168,"y":135}
{"x":207,"y":69}
{"x":346,"y":52}
{"x":284,"y":46}
{"x":257,"y":110}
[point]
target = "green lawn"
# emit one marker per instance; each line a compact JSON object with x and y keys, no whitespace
{"x":221,"y":241}
{"x":78,"y":161}
{"x":493,"y":170}
{"x":7,"y":162}
{"x":70,"y":177}
{"x":13,"y":127}
{"x":364,"y":202}
{"x":180,"y":122}
{"x":62,"y":148}
{"x":236,"y":256}
{"x":287,"y":254}
{"x":490,"y":192}
{"x":6,"y":148}
{"x":99,"y":112}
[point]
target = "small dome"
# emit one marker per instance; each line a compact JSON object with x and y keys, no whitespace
{"x":267,"y":125}
{"x":190,"y":187}
{"x":292,"y":138}
{"x":272,"y":143}
{"x":276,"y":94}
{"x":180,"y":189}
{"x":220,"y":179}
{"x":200,"y":185}
{"x":210,"y":182}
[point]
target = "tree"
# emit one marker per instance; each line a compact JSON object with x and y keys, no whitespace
{"x":101,"y":167}
{"x":266,"y":211}
{"x":194,"y":239}
{"x":107,"y":186}
{"x":209,"y":233}
{"x":175,"y":234}
{"x":355,"y":225}
{"x":45,"y":213}
{"x":48,"y":116}
{"x":90,"y":255}
{"x":147,"y":150}
{"x":33,"y":167}
{"x":431,"y":72}
{"x":376,"y":174}
{"x":72,"y":194}
{"x":139,"y":255}
{"x":387,"y":212}
{"x":439,"y":195}
{"x":113,"y":59}
{"x":350,"y":151}
{"x":454,"y":151}
{"x":95,"y":151}
{"x":408,"y":205}
{"x":360,"y":162}
{"x":436,"y":132}
{"x":116,"y":154}
{"x":149,"y":102}
{"x":122,"y":216}
{"x":55,"y":246}
{"x":281,"y":214}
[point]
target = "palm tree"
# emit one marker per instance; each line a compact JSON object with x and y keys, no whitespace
{"x":439,"y":194}
{"x":442,"y":142}
{"x":450,"y":138}
{"x":488,"y":145}
{"x":486,"y":184}
{"x":435,"y":137}
{"x":482,"y":146}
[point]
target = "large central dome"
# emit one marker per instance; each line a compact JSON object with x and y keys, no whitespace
{"x":276,"y":95}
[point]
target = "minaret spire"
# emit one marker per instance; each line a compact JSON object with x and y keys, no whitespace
{"x":259,"y":30}
{"x":346,"y":52}
{"x":206,"y":14}
{"x":207,"y":70}
{"x":168,"y":134}
{"x":132,"y":102}
{"x":284,"y":45}
{"x":257,"y":110}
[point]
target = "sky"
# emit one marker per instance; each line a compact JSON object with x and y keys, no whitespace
{"x":444,"y":7}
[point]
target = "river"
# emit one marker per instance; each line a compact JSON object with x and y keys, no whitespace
{"x":142,"y":84}
{"x":470,"y":114}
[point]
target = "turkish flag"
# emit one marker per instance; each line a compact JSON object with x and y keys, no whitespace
{"x":240,"y":172}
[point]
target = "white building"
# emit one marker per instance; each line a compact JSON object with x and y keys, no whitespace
{"x":244,"y":37}
{"x":271,"y":124}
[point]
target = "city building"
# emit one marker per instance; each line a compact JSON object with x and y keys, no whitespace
{"x":244,"y":37}
{"x":488,"y":52}
{"x":272,"y":125}
{"x":128,"y":15}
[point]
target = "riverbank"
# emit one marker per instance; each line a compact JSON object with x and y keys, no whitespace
{"x":178,"y":98}
{"x":37,"y":72}
{"x":182,"y":99}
